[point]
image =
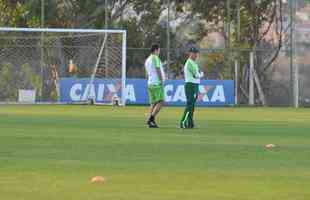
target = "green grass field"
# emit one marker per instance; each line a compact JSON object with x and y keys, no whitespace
{"x":51,"y":152}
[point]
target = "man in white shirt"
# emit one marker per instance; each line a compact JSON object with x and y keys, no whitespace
{"x":156,"y":76}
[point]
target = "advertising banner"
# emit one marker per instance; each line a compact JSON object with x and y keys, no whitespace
{"x":211,"y":92}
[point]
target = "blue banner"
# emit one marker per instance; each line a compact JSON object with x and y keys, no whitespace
{"x":211,"y":92}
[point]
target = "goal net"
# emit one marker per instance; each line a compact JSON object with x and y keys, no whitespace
{"x":62,"y":66}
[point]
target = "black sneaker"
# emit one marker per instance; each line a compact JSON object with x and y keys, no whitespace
{"x":152,"y":124}
{"x":190,"y":126}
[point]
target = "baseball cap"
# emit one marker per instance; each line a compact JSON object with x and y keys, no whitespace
{"x":194,"y":50}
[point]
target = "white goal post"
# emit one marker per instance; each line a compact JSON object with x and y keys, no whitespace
{"x":48,"y":60}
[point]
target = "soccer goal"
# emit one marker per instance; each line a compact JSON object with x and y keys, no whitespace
{"x":62,"y":66}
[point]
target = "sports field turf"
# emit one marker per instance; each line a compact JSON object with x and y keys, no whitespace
{"x":51,"y":152}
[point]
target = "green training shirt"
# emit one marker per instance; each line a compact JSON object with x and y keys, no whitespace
{"x":192,"y":72}
{"x":152,"y":63}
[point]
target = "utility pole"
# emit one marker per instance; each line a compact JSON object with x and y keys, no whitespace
{"x":106,"y":45}
{"x":168,"y":39}
{"x":42,"y":50}
{"x":294,"y":71}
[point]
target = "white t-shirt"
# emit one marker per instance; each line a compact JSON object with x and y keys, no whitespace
{"x":151,"y":63}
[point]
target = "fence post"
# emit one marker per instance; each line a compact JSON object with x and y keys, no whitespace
{"x":236,"y":82}
{"x":251,"y":80}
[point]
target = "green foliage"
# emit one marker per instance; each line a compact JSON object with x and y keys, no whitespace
{"x":7,"y":82}
{"x":12,"y":79}
{"x":28,"y":78}
{"x":16,"y":14}
{"x":254,"y":15}
{"x":11,"y":15}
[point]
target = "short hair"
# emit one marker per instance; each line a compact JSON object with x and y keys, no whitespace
{"x":154,"y":48}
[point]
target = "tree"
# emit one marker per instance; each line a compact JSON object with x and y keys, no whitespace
{"x":15,"y":14}
{"x":257,"y":20}
{"x":146,"y":23}
{"x":13,"y":79}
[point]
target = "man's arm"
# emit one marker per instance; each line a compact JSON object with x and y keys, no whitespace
{"x":200,"y":74}
{"x":195,"y":71}
{"x":160,"y":76}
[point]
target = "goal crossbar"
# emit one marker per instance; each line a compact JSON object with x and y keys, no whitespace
{"x":61,"y":30}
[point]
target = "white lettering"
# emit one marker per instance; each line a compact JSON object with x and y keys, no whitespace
{"x":112,"y":88}
{"x":130,"y":93}
{"x":179,"y":94}
{"x":100,"y":94}
{"x":218,"y":94}
{"x":168,"y":93}
{"x":203,"y":91}
{"x":89,"y":92}
{"x":75,"y":92}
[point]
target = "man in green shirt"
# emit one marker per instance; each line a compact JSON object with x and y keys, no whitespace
{"x":156,"y":77}
{"x":192,"y":75}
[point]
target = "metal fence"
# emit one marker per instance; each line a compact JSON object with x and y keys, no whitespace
{"x":302,"y":52}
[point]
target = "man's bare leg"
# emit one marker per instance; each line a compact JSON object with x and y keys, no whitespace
{"x":157,"y":107}
{"x":154,"y":110}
